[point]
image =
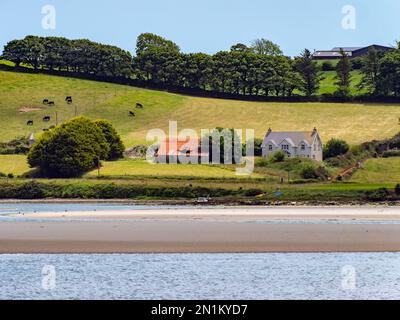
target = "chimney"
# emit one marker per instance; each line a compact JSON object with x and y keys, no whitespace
{"x":314,"y":131}
{"x":269,"y":131}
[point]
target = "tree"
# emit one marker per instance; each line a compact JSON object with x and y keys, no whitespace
{"x":70,"y":149}
{"x":266,"y":47}
{"x":343,"y":75}
{"x":335,"y":147}
{"x":148,"y":41}
{"x":116,"y":147}
{"x":15,"y":51}
{"x":370,"y":71}
{"x":309,"y":72}
{"x":389,"y":75}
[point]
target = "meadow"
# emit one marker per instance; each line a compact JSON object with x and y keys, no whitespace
{"x":354,"y":122}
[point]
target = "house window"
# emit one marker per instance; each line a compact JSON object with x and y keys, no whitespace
{"x":303,"y":146}
{"x":270,"y":147}
{"x":285,"y":147}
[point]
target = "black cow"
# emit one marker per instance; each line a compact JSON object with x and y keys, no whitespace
{"x":45,"y":101}
{"x":139,"y":106}
{"x":68,"y":98}
{"x":29,"y":123}
{"x":46,"y":118}
{"x":51,"y":103}
{"x":132,"y":114}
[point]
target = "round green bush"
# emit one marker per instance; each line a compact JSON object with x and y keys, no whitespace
{"x":113,"y":139}
{"x":70,"y":149}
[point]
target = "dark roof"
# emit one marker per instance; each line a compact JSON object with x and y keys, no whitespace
{"x":347,"y":48}
{"x":335,"y":52}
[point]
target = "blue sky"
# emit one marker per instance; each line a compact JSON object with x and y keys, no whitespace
{"x":208,"y":25}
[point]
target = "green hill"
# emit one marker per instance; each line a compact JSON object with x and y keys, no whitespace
{"x":22,"y":95}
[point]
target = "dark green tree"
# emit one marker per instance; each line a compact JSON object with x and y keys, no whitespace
{"x":309,"y":72}
{"x":70,"y":149}
{"x":343,"y":75}
{"x":116,"y":147}
{"x":335,"y":147}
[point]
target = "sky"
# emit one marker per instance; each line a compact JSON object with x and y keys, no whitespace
{"x":209,"y":25}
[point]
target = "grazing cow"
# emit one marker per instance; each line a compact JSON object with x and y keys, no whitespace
{"x":29,"y":123}
{"x":45,"y":101}
{"x":132,"y":114}
{"x":68,"y":98}
{"x":46,"y":118}
{"x":139,"y":106}
{"x":51,"y":103}
{"x":69,"y":101}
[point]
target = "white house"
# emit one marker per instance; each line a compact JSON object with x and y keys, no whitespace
{"x":306,"y":144}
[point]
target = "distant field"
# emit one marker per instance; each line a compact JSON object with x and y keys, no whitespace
{"x":353,"y":122}
{"x":15,"y":164}
{"x":384,"y":170}
{"x":328,"y":83}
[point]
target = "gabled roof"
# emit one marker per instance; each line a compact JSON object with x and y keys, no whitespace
{"x":295,"y":137}
{"x":177,"y":146}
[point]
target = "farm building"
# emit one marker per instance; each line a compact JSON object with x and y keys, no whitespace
{"x":352,"y":52}
{"x":180,"y":150}
{"x":302,"y":144}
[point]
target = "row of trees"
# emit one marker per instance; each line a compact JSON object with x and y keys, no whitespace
{"x":258,"y":69}
{"x":55,"y":53}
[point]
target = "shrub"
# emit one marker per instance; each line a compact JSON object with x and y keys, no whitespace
{"x":377,"y":195}
{"x":391,"y":153}
{"x":309,"y":172}
{"x":327,"y":66}
{"x":335,"y":147}
{"x":2,"y":175}
{"x":113,"y":139}
{"x":278,"y":156}
{"x":397,"y":189}
{"x":253,"y":192}
{"x":15,"y":146}
{"x":10,"y":176}
{"x":70,"y":149}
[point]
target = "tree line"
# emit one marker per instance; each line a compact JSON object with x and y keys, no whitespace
{"x":56,"y":53}
{"x":260,"y":69}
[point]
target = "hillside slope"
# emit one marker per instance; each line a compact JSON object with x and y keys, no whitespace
{"x":24,"y":92}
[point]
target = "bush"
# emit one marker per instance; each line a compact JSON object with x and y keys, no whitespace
{"x":356,"y":63}
{"x":335,"y":147}
{"x":381,"y":194}
{"x":391,"y":153}
{"x":253,"y":192}
{"x":397,"y":189}
{"x":16,"y":146}
{"x":278,"y":156}
{"x":70,"y":149}
{"x":310,"y":171}
{"x":327,"y":66}
{"x":114,"y":141}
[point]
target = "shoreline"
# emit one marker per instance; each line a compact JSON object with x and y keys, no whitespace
{"x":203,"y":230}
{"x":212,"y":203}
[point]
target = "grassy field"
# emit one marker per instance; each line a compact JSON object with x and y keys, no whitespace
{"x":15,"y":164}
{"x":141,"y":168}
{"x":384,"y":170}
{"x":328,"y":83}
{"x":353,"y":122}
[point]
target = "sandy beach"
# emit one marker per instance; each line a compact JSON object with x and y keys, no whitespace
{"x":204,"y":230}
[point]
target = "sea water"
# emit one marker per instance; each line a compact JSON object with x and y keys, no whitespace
{"x":201,"y":276}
